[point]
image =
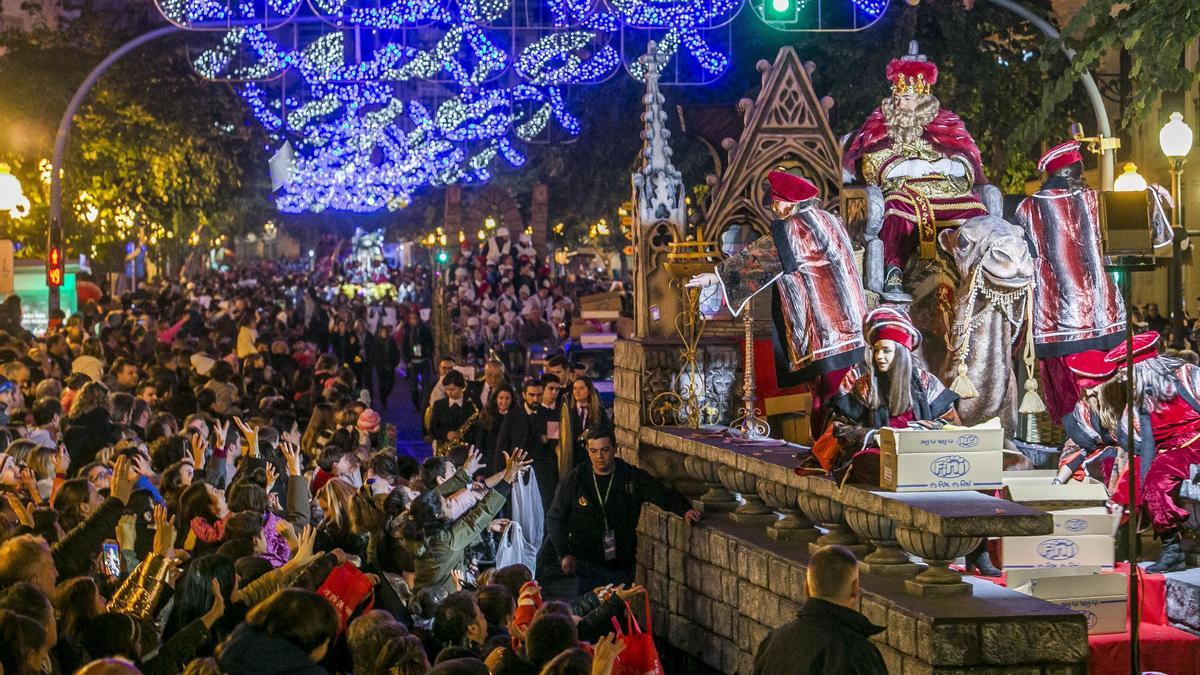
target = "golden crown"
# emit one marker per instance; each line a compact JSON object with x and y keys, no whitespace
{"x":915,"y":84}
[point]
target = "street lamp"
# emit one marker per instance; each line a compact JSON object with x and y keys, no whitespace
{"x":12,"y":197}
{"x":1130,"y":180}
{"x":1175,"y":139}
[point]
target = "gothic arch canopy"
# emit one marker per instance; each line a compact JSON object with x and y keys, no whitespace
{"x":785,"y":127}
{"x":497,"y":203}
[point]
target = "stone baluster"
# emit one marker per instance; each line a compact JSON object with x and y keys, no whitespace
{"x":716,"y":499}
{"x":830,"y":515}
{"x":887,"y":558}
{"x":785,"y":499}
{"x":752,"y":510}
{"x":938,"y":552}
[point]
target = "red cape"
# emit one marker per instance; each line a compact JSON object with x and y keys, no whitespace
{"x":946,"y":133}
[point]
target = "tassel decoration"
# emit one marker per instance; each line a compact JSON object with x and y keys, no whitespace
{"x":1031,"y":402}
{"x":962,"y":384}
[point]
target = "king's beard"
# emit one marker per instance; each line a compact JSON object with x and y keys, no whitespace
{"x":906,"y":127}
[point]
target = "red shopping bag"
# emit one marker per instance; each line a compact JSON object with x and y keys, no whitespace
{"x":640,"y":656}
{"x":348,"y":589}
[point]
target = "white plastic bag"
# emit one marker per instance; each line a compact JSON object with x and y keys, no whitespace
{"x":511,"y":549}
{"x":527,"y":510}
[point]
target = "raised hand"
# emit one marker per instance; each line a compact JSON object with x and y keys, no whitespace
{"x":605,"y":654}
{"x":29,"y":483}
{"x":304,"y":549}
{"x":198,"y":451}
{"x":127,"y":532}
{"x":164,"y":533}
{"x":121,"y":485}
{"x":217,"y":610}
{"x":221,"y":429}
{"x":272,"y":476}
{"x":291,"y":453}
{"x":515,"y":463}
{"x":250,"y":434}
{"x":474,"y":461}
{"x":62,"y":460}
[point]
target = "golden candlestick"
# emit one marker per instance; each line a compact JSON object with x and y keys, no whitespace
{"x":685,"y":401}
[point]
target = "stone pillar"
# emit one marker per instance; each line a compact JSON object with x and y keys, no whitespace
{"x":887,"y":558}
{"x":752,"y":510}
{"x":785,"y":499}
{"x":539,"y":216}
{"x":452,"y":215}
{"x":938,"y":552}
{"x":716,"y":499}
{"x":831,"y":516}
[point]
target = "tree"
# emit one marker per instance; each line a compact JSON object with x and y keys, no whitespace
{"x":1154,"y":34}
{"x":156,"y":149}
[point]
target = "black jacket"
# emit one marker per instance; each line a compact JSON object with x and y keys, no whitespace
{"x":576,"y":520}
{"x":86,"y":434}
{"x":446,"y":418}
{"x":250,"y":651}
{"x":823,"y":638}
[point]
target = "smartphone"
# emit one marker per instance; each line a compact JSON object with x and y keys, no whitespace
{"x":110,"y":559}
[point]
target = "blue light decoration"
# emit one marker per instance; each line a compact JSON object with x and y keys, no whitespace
{"x":382,"y":98}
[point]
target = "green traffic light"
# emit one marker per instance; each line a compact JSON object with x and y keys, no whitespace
{"x":783,"y":11}
{"x":442,"y":256}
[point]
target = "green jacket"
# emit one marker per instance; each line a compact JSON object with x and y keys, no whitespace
{"x":437,"y":557}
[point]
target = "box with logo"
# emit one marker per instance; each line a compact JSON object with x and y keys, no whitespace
{"x":1036,"y":488}
{"x":1100,"y":597}
{"x":1090,"y":520}
{"x":1057,"y":550}
{"x":986,"y":437}
{"x":940,"y":471}
{"x":1015,"y":578}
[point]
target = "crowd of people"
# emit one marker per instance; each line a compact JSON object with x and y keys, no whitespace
{"x":197,"y":478}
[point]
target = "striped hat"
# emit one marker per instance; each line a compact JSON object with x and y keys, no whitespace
{"x":1063,"y":154}
{"x":891,"y":323}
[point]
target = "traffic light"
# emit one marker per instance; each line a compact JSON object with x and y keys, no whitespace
{"x":780,"y":11}
{"x":54,"y":267}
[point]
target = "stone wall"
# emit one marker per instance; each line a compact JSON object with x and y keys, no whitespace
{"x":717,"y":589}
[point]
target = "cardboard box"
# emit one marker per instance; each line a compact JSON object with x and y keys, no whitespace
{"x":1015,"y":579}
{"x":600,"y":314}
{"x":597,"y":339}
{"x":795,"y":428}
{"x":986,"y":437}
{"x":940,"y":472}
{"x":1090,"y":520}
{"x":1101,"y":598}
{"x":1035,"y":487}
{"x":601,"y":301}
{"x":1057,"y":550}
{"x":792,"y":403}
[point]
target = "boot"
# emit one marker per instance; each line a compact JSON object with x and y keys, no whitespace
{"x":980,"y":563}
{"x":893,"y":283}
{"x":1172,"y":558}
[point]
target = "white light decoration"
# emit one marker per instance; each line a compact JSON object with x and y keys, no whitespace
{"x":391,"y":96}
{"x":1175,"y":138}
{"x":11,"y":193}
{"x":1130,"y":180}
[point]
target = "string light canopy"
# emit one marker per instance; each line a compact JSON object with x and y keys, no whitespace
{"x":381,"y":98}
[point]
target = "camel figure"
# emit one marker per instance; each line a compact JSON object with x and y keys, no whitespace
{"x":991,"y":317}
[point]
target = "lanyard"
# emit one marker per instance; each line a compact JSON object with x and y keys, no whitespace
{"x":607,"y":491}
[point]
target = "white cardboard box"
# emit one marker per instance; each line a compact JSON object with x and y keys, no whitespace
{"x":1015,"y":579}
{"x":986,"y":437}
{"x":940,"y":472}
{"x":1036,"y":486}
{"x":1089,"y":520}
{"x":1101,"y":597}
{"x":1057,"y":550}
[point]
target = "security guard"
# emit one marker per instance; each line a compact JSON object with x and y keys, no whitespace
{"x":593,"y":520}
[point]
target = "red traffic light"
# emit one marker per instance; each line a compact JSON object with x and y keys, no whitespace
{"x":54,"y":267}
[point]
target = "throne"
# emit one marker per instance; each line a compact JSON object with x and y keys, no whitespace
{"x":873,"y":271}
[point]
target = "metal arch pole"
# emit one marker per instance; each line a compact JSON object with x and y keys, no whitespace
{"x":55,"y":234}
{"x":1107,"y":161}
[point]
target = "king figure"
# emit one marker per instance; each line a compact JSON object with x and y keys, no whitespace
{"x":923,"y":159}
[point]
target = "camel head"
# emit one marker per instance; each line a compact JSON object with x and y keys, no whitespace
{"x":997,"y":245}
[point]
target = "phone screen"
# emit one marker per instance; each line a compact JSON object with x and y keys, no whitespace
{"x":110,"y":559}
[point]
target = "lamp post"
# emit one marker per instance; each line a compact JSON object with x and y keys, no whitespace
{"x":1130,"y":180}
{"x":1175,"y":139}
{"x":12,"y":197}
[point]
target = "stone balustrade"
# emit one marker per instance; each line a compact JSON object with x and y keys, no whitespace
{"x":719,"y":587}
{"x":883,"y":528}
